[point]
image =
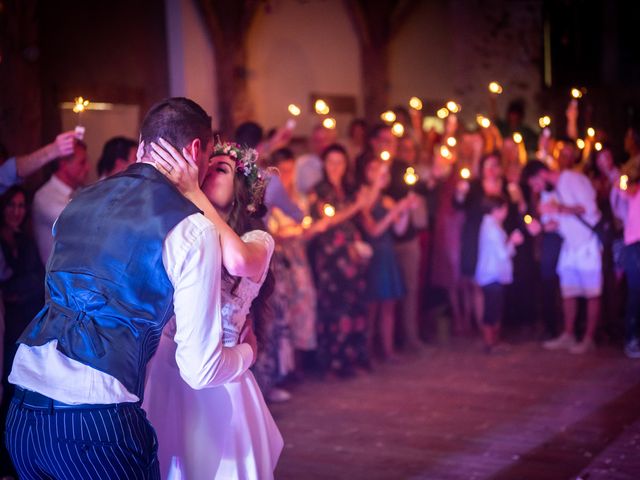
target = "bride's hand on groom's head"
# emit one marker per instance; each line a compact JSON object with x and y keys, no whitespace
{"x":180,"y":168}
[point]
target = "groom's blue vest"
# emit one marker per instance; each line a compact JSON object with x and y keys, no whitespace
{"x":108,"y":295}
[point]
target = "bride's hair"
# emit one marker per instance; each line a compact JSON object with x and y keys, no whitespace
{"x":242,"y":221}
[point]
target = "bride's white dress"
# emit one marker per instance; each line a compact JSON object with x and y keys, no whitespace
{"x":224,"y":432}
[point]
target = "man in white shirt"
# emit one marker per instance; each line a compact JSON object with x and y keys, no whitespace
{"x":580,"y":262}
{"x":129,"y":253}
{"x":53,"y":196}
{"x":309,"y":169}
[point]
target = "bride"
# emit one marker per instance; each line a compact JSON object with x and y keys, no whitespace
{"x":226,"y":431}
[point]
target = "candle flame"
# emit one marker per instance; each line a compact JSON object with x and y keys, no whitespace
{"x":544,"y":121}
{"x":495,"y":87}
{"x":385,"y":156}
{"x":321,"y":107}
{"x":591,"y":132}
{"x":580,"y":143}
{"x":442,"y":113}
{"x":307,"y":221}
{"x":528,"y":219}
{"x":598,"y":146}
{"x":410,"y":177}
{"x":415,"y":103}
{"x":576,"y":93}
{"x":453,"y":106}
{"x":329,"y":210}
{"x":451,"y":141}
{"x":445,"y":152}
{"x":483,"y":121}
{"x":517,"y":137}
{"x":80,"y":104}
{"x":397,"y":129}
{"x":624,"y":182}
{"x":294,"y":110}
{"x":388,"y":116}
{"x":465,"y":173}
{"x":329,"y":123}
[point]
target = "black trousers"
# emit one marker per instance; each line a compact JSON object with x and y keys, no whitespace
{"x":108,"y":442}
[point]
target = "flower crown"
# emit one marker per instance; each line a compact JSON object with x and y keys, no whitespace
{"x":246,"y":164}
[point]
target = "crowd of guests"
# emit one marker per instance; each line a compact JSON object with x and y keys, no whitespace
{"x":503,"y":226}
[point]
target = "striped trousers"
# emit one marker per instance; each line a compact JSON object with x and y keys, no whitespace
{"x":114,"y":442}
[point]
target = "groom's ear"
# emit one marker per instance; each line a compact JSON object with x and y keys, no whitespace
{"x":194,"y":148}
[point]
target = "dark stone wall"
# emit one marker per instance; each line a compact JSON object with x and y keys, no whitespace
{"x":108,"y":51}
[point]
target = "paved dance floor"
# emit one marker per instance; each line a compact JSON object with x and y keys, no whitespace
{"x":456,"y":413}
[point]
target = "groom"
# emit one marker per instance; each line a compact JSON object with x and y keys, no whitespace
{"x":129,"y":252}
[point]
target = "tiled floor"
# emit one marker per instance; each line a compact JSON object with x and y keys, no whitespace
{"x":456,"y":413}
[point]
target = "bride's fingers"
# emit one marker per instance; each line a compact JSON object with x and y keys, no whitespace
{"x":166,"y":167}
{"x":183,"y":164}
{"x":166,"y":156}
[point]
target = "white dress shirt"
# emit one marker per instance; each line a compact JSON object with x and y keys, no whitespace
{"x":48,"y":203}
{"x":580,"y":246}
{"x":308,"y":172}
{"x":191,"y":256}
{"x":494,"y":254}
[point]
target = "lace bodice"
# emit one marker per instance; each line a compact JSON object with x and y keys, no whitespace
{"x":235,"y":305}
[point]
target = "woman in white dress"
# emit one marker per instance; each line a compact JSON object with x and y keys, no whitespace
{"x":224,"y":432}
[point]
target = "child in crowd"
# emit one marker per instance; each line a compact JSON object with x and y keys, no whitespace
{"x":494,"y":269}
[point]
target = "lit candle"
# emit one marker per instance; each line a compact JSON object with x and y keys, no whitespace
{"x":598,"y":146}
{"x":307,"y":221}
{"x":465,"y":173}
{"x":544,"y":121}
{"x":80,"y":105}
{"x":528,"y":219}
{"x":397,"y":129}
{"x":329,"y":210}
{"x":410,"y":177}
{"x":580,"y":143}
{"x":415,"y":103}
{"x":483,"y":121}
{"x":442,"y":113}
{"x":591,"y":132}
{"x":329,"y":123}
{"x":445,"y":152}
{"x":517,"y":137}
{"x":453,"y":106}
{"x":385,"y":156}
{"x":388,"y":116}
{"x":321,"y":107}
{"x":495,"y":88}
{"x":624,"y":182}
{"x":451,"y":141}
{"x":576,"y":93}
{"x":294,"y":110}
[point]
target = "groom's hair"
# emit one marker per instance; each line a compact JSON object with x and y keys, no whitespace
{"x":178,"y":120}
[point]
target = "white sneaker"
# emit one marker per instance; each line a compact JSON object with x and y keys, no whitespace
{"x":279,"y":395}
{"x":563,"y":342}
{"x":583,"y":347}
{"x":632,"y":349}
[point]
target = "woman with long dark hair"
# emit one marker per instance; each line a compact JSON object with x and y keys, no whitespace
{"x":225,"y":431}
{"x":22,"y":288}
{"x":339,"y":268}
